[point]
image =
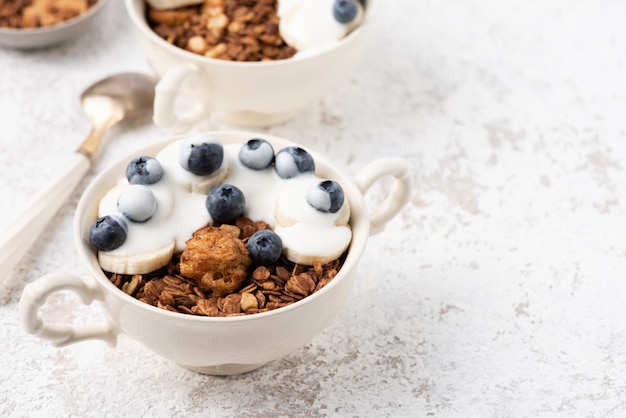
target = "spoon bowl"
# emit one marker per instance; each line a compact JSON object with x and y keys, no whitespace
{"x":133,"y":93}
{"x":107,"y":102}
{"x":110,"y":100}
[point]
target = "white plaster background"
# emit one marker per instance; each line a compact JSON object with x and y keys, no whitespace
{"x":498,"y":292}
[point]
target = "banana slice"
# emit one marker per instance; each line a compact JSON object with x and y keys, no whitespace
{"x":171,"y":4}
{"x":205,"y":184}
{"x":305,"y":243}
{"x":309,"y":234}
{"x":308,"y":260}
{"x":138,"y":263}
{"x":342,"y":217}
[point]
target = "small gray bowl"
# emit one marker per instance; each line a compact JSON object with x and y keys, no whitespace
{"x":34,"y":38}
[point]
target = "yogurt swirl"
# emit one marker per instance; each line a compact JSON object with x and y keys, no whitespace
{"x":306,"y":233}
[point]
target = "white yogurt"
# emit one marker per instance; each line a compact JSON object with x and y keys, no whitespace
{"x":259,"y":187}
{"x":181,"y":211}
{"x":178,"y":215}
{"x":308,"y":25}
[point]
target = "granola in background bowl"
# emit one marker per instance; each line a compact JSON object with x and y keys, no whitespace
{"x":32,"y":24}
{"x":23,"y":14}
{"x":230,"y":30}
{"x":255,"y":30}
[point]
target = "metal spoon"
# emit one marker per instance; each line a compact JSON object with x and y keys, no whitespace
{"x":106,"y":103}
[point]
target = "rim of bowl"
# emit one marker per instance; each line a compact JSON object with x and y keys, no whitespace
{"x":57,"y":26}
{"x":141,"y":24}
{"x":115,"y":169}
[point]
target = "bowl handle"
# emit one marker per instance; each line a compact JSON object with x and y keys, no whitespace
{"x":167,"y":90}
{"x":60,"y":334}
{"x":398,"y":196}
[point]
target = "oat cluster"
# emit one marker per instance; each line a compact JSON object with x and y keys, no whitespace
{"x":263,"y":288}
{"x":40,"y":13}
{"x":234,"y":30}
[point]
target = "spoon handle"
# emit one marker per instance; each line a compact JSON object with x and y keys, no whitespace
{"x":22,"y":233}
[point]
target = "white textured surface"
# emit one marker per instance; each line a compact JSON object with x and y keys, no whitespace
{"x":498,"y":292}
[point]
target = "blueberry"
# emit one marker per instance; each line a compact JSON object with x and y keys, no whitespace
{"x":144,"y":170}
{"x":325,"y":196}
{"x":225,"y":203}
{"x":108,"y":233}
{"x":265,"y":247}
{"x":201,"y":154}
{"x":291,"y":161}
{"x":137,"y":203}
{"x":344,"y":11}
{"x":256,"y":154}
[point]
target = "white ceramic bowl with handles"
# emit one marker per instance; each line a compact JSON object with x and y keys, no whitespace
{"x":249,"y":94}
{"x":214,"y":345}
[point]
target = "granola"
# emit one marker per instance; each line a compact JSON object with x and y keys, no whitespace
{"x":40,"y":13}
{"x":234,"y":30}
{"x":263,"y":289}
